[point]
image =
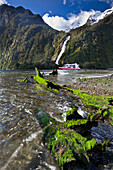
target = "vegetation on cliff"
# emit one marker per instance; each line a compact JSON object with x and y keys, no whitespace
{"x":26,"y":41}
{"x":91,"y":46}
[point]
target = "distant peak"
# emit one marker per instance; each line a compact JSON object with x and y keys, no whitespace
{"x":98,"y":16}
{"x":28,"y":12}
{"x":23,"y":10}
{"x":20,"y":9}
{"x":6,"y":7}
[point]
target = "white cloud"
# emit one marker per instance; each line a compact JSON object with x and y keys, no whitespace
{"x":56,"y":22}
{"x":3,"y":2}
{"x":64,"y":2}
{"x":73,"y":21}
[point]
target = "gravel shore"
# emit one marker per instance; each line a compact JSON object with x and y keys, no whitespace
{"x":95,"y":86}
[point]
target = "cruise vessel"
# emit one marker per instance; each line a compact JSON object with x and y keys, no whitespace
{"x":74,"y":66}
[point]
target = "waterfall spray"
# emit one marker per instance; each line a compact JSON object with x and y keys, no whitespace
{"x":62,"y":50}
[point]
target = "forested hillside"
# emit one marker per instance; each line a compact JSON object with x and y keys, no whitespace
{"x":25,"y":40}
{"x":91,"y":46}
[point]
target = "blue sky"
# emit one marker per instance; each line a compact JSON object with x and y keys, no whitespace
{"x":65,"y":10}
{"x":60,"y":7}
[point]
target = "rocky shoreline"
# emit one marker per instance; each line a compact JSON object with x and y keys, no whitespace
{"x":95,"y":86}
{"x":71,"y":142}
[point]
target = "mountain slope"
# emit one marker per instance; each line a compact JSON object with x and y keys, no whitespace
{"x":26,"y":41}
{"x":91,"y":46}
{"x":95,"y":18}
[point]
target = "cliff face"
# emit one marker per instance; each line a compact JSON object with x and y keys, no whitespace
{"x":91,"y":46}
{"x":26,"y":41}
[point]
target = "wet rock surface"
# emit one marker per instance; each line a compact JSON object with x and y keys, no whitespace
{"x":27,"y":108}
{"x":78,"y":145}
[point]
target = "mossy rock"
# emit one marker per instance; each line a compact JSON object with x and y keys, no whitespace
{"x":111,"y":116}
{"x":71,"y":142}
{"x":48,"y":84}
{"x":73,"y":123}
{"x":93,"y":101}
{"x":73,"y":114}
{"x":69,"y":147}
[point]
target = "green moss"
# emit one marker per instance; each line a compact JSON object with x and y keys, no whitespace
{"x":111,"y":122}
{"x":28,"y":73}
{"x":64,"y":143}
{"x":51,"y":86}
{"x":39,"y":79}
{"x":72,"y":114}
{"x":105,"y":114}
{"x":56,"y":91}
{"x":93,"y":101}
{"x":68,"y":147}
{"x":73,"y":123}
{"x":25,"y":80}
{"x":111,"y":116}
{"x":100,"y":114}
{"x":55,"y":122}
{"x":90,"y":144}
{"x":49,"y":133}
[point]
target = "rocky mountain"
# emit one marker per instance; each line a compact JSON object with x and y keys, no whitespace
{"x":98,"y":16}
{"x":91,"y":45}
{"x":26,"y":41}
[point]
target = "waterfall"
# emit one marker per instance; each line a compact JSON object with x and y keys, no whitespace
{"x":62,"y":50}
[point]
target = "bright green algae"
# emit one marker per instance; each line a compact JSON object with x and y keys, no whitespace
{"x":48,"y":84}
{"x":25,"y":80}
{"x":101,"y":104}
{"x":69,"y":146}
{"x":67,"y":141}
{"x":39,"y":79}
{"x":94,"y":101}
{"x":72,"y":123}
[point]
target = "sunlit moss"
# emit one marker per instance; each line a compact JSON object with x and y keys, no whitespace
{"x":62,"y":138}
{"x":111,"y":116}
{"x":69,"y":146}
{"x":39,"y":79}
{"x":25,"y":80}
{"x":48,"y":84}
{"x":94,"y":101}
{"x":72,"y":123}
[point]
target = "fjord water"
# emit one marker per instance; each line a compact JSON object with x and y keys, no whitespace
{"x":20,"y":129}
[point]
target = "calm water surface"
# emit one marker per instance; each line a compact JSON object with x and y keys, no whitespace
{"x":20,"y":132}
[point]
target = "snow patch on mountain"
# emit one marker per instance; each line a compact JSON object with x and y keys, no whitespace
{"x":74,"y":21}
{"x":98,"y":16}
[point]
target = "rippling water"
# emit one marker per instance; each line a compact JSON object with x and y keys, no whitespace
{"x":20,"y":131}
